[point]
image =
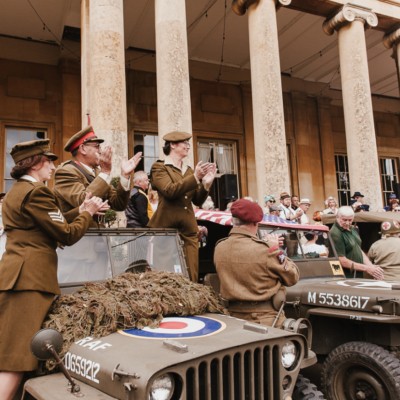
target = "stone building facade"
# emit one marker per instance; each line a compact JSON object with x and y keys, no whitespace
{"x":270,"y":134}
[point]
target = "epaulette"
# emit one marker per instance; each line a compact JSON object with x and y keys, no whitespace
{"x":221,"y":240}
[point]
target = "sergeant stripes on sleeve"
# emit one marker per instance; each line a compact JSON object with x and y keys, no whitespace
{"x":56,"y":216}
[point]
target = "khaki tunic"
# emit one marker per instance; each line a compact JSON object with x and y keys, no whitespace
{"x":176,"y":193}
{"x":386,"y":253}
{"x":250,"y":271}
{"x":71,"y":186}
{"x":34,"y":225}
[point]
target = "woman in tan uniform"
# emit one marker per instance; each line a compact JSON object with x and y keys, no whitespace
{"x":28,"y":269}
{"x":178,"y":186}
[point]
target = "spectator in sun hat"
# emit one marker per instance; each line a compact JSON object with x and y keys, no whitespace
{"x":287,"y":211}
{"x":331,"y":206}
{"x":386,"y":251}
{"x":357,"y":202}
{"x":89,"y":171}
{"x":304,"y":205}
{"x":253,"y":273}
{"x":393,"y":202}
{"x":274,"y":210}
{"x":269,"y":200}
{"x":35,"y":226}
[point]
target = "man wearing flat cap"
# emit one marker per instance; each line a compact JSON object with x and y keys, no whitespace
{"x":89,"y":172}
{"x":253,"y":273}
{"x":178,"y":186}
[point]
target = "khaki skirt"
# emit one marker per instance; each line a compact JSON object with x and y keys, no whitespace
{"x":21,"y":316}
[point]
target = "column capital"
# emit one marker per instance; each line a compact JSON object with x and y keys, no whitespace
{"x":392,"y":38}
{"x":240,"y":7}
{"x":347,"y":14}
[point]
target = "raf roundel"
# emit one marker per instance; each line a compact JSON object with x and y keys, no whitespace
{"x":179,"y":327}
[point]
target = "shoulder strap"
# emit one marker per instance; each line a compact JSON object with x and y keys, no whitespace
{"x":88,"y":176}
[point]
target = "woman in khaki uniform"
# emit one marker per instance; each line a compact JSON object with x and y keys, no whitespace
{"x":28,"y":269}
{"x":178,"y":186}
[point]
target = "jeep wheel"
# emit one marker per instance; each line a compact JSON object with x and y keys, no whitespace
{"x":305,"y":390}
{"x":364,"y":371}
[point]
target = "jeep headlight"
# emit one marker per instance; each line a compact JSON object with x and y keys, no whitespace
{"x":162,"y":387}
{"x":289,"y":354}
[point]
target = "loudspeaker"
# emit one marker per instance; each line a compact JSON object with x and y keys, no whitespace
{"x":227,"y":189}
{"x":396,"y":188}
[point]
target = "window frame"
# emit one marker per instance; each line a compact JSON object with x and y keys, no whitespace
{"x":49,"y":128}
{"x":342,"y":192}
{"x":385,"y":193}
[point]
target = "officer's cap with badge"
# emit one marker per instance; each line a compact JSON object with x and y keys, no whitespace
{"x":247,"y":211}
{"x":23,"y":150}
{"x":176,"y":136}
{"x":390,"y":227}
{"x":86,"y":135}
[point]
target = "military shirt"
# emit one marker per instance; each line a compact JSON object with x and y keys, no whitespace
{"x":35,"y":225}
{"x":71,"y":186}
{"x":249,"y":270}
{"x":386,"y":253}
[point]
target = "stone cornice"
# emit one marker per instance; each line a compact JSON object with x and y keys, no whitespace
{"x":240,"y":7}
{"x":391,"y":38}
{"x":349,"y":13}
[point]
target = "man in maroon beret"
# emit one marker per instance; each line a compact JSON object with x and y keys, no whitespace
{"x":253,"y":273}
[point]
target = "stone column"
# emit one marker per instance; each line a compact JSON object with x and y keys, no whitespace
{"x":272,"y":172}
{"x":103,"y":74}
{"x":392,"y":40}
{"x":358,"y":114}
{"x":173,"y":82}
{"x":327,"y":147}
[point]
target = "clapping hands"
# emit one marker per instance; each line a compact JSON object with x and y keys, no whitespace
{"x":128,"y":166}
{"x":205,"y":171}
{"x":94,"y":205}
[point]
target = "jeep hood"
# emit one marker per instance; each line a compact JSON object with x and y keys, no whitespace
{"x":128,"y":361}
{"x":348,"y":297}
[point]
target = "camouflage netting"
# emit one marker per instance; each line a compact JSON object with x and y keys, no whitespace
{"x":128,"y":301}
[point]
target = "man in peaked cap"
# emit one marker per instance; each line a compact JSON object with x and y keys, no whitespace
{"x":253,"y":273}
{"x":89,"y":171}
{"x":386,"y":251}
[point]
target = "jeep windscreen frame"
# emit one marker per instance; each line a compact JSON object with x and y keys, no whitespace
{"x":105,"y":253}
{"x":310,"y":263}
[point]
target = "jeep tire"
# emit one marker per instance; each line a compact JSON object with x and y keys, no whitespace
{"x":358,"y":370}
{"x":305,"y":390}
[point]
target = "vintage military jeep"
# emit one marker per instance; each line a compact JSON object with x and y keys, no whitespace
{"x":210,"y":356}
{"x":356,"y":322}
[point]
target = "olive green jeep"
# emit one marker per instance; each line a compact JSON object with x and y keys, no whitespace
{"x":355,"y":322}
{"x":194,"y":357}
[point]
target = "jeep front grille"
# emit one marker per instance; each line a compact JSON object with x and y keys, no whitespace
{"x":248,"y":374}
